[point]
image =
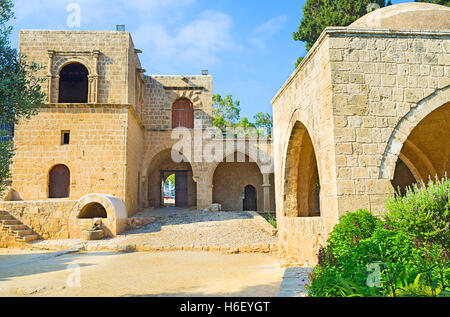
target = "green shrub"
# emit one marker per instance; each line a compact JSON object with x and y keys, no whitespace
{"x":409,"y":248}
{"x":352,"y":228}
{"x":423,"y":213}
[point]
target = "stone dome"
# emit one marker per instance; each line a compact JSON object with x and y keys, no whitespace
{"x":407,"y":16}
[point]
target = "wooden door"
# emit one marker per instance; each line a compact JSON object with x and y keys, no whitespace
{"x":181,"y":190}
{"x":249,"y":198}
{"x":182,"y":114}
{"x":59,"y":182}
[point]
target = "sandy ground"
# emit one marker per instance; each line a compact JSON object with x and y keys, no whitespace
{"x":39,"y":273}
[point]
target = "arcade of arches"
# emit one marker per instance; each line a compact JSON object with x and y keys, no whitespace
{"x":236,"y":183}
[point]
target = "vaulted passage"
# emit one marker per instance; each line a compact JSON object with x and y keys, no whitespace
{"x":73,"y":84}
{"x":238,"y":185}
{"x":301,"y":177}
{"x":426,"y":152}
{"x":183,"y":193}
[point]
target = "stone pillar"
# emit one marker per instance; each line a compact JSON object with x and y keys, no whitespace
{"x":266,"y":191}
{"x":50,"y":75}
{"x":93,"y":79}
{"x":204,"y":195}
{"x":144,"y":192}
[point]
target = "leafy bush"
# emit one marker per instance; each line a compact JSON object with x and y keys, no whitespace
{"x":423,"y":213}
{"x":352,"y":228}
{"x":407,"y":252}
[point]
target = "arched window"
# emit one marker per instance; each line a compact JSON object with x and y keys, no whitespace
{"x":59,"y":182}
{"x":73,"y":84}
{"x":183,"y":114}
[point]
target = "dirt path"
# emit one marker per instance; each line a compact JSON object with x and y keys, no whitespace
{"x":139,"y":274}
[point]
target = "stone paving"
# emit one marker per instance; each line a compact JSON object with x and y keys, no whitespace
{"x":294,"y":282}
{"x":183,"y":229}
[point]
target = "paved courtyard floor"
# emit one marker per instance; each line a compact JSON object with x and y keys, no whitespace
{"x":177,"y":273}
{"x":183,"y":229}
{"x":242,"y":260}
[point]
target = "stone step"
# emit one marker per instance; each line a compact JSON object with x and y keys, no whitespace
{"x":28,"y":238}
{"x":12,"y":228}
{"x":23,"y":232}
{"x":10,"y":222}
{"x":6,"y":217}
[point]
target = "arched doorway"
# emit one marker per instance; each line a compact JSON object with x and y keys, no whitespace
{"x":73,"y":84}
{"x":249,"y":198}
{"x":301,"y":177}
{"x":182,"y":114}
{"x":426,"y":152}
{"x":161,"y":168}
{"x":59,"y":182}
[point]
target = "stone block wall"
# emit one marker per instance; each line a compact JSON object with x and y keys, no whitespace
{"x":96,"y":155}
{"x":160,"y":93}
{"x":49,"y":219}
{"x":380,"y":78}
{"x":105,"y":54}
{"x":359,"y":94}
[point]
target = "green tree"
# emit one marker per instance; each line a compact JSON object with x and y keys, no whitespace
{"x":226,"y":111}
{"x":319,"y":14}
{"x":264,"y":122}
{"x":20,"y":88}
{"x":441,"y":2}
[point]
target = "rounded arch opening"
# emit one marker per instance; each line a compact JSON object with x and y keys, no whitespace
{"x":233,"y":180}
{"x":301,"y":176}
{"x":93,"y":210}
{"x":426,"y":151}
{"x":73,"y":83}
{"x":59,"y":182}
{"x":183,"y":113}
{"x":160,"y":168}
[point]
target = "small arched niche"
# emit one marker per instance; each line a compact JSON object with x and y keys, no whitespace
{"x":92,"y":210}
{"x":73,"y":84}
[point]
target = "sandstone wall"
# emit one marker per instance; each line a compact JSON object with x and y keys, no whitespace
{"x":105,"y":54}
{"x":49,"y":219}
{"x":96,"y":155}
{"x":160,"y":93}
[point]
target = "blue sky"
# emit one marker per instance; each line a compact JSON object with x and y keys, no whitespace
{"x":246,"y":45}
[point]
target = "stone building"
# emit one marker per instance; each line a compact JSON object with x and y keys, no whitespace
{"x":102,"y":145}
{"x":368,"y":109}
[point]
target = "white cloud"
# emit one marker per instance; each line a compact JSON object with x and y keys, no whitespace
{"x":262,"y":33}
{"x":197,"y":41}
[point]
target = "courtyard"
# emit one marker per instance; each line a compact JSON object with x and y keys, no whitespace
{"x":174,"y":274}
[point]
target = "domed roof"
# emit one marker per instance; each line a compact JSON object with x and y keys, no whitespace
{"x":407,"y":16}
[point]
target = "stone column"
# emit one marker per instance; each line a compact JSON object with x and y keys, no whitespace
{"x":266,"y":191}
{"x":50,"y":75}
{"x":93,"y":82}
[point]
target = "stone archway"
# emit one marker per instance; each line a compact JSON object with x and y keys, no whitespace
{"x":426,"y":151}
{"x":400,"y":140}
{"x":301,"y":183}
{"x":73,"y":83}
{"x":96,"y":206}
{"x":230,"y":178}
{"x":159,"y":168}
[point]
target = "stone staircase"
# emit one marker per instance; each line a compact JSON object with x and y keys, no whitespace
{"x":12,"y":227}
